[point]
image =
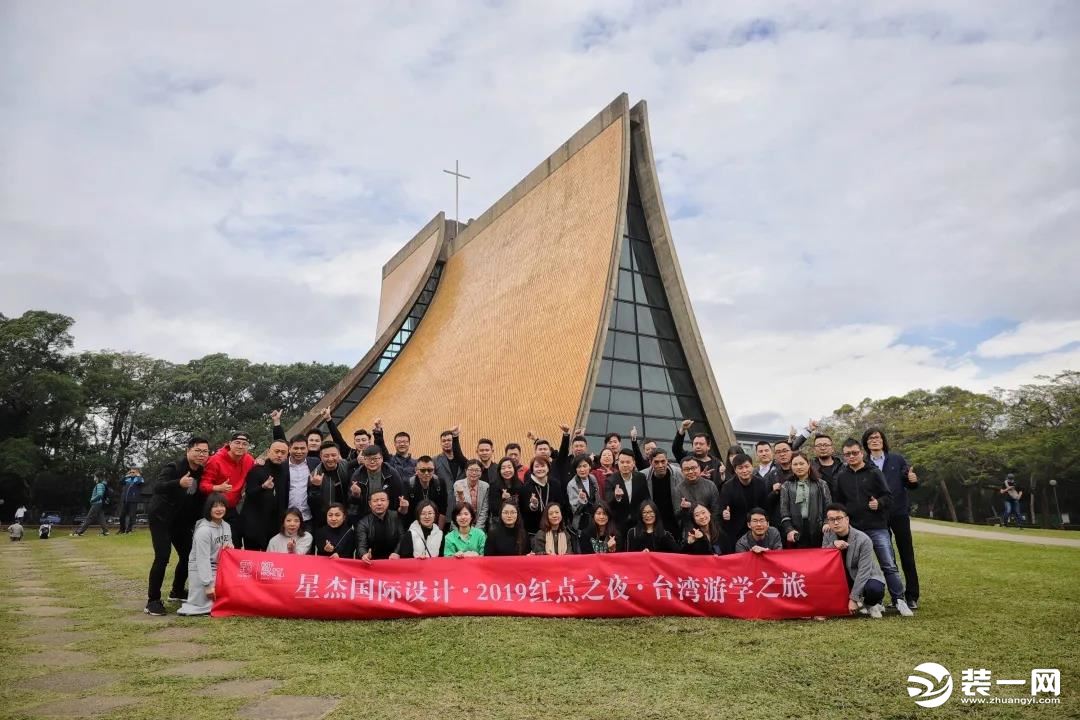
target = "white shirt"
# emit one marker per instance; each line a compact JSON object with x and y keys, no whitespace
{"x":763,"y":470}
{"x":879,"y":461}
{"x":299,"y":474}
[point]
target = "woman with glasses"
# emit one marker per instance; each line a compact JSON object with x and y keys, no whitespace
{"x":423,"y":539}
{"x":649,"y":534}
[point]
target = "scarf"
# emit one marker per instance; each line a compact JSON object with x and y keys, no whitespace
{"x":555,"y":544}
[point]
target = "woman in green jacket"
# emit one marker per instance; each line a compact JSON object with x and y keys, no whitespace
{"x":464,"y":540}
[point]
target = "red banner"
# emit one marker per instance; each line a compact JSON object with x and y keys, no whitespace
{"x":772,"y":585}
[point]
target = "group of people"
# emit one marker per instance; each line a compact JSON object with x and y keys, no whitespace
{"x":321,"y":495}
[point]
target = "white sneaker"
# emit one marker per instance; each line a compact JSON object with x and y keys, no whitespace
{"x":862,"y":609}
{"x":903,"y":609}
{"x":875,"y":611}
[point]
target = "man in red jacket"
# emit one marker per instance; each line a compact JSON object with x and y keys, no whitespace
{"x":225,"y":472}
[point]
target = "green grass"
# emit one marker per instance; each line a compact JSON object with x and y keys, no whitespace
{"x":1012,"y":529}
{"x":1001,"y":606}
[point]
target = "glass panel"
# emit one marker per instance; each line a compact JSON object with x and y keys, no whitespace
{"x":656,"y":404}
{"x":650,"y":350}
{"x":660,"y":429}
{"x":673,"y":356}
{"x":654,"y":378}
{"x":622,"y":423}
{"x":635,"y":224}
{"x":595,"y":441}
{"x":625,"y":254}
{"x":689,"y":407}
{"x":604,"y":376}
{"x":625,"y":374}
{"x":645,"y":321}
{"x":665,"y":327}
{"x":425,"y":298}
{"x":654,"y":291}
{"x":600,"y":398}
{"x":625,"y":312}
{"x":681,"y":383}
{"x":625,"y":346}
{"x":639,"y":289}
{"x":597,"y":422}
{"x":609,"y":345}
{"x":370,"y":379}
{"x":626,"y":401}
{"x":626,"y":286}
{"x":644,"y":259}
{"x":382,"y":363}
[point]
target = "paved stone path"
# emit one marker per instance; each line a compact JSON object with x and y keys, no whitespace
{"x":73,"y":678}
{"x":1019,"y":537}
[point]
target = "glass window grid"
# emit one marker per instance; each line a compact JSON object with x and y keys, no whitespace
{"x":394,"y":347}
{"x":636,"y":385}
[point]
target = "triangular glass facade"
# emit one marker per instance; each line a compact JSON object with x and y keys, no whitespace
{"x":644,"y":380}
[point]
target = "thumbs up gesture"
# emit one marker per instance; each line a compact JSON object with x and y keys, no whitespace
{"x":354,"y":489}
{"x":403,"y":505}
{"x":505,"y":494}
{"x":327,"y":547}
{"x":583,"y":496}
{"x":534,"y":502}
{"x":633,"y":433}
{"x":727,"y":513}
{"x":325,"y":414}
{"x":912,"y":478}
{"x":619,"y":492}
{"x":186,"y":481}
{"x":873,"y":504}
{"x":316,"y":478}
{"x":268,"y":484}
{"x":275,"y":417}
{"x":685,"y":504}
{"x":291,"y":546}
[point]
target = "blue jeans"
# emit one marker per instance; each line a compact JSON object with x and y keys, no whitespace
{"x":1012,"y":507}
{"x":884,"y":551}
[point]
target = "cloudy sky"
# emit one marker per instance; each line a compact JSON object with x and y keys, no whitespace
{"x":867,"y":197}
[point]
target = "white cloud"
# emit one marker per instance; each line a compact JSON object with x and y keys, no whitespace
{"x":1031,"y":338}
{"x":233,"y":176}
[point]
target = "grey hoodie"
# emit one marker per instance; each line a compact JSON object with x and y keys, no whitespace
{"x":205,"y":547}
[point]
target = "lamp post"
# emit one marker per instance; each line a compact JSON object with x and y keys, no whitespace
{"x":1057,"y":507}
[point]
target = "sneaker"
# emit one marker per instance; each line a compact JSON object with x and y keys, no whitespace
{"x":104,"y":533}
{"x":913,"y":604}
{"x":874,"y":611}
{"x":155,"y":607}
{"x":862,"y":609}
{"x":75,"y":534}
{"x":903,"y":609}
{"x":173,"y":597}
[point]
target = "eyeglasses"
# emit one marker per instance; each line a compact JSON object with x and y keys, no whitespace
{"x":836,"y":519}
{"x":425,"y":470}
{"x":852,"y":453}
{"x":200,"y":451}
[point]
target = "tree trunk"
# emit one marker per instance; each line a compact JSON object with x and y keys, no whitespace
{"x":948,"y":501}
{"x":969,"y":492}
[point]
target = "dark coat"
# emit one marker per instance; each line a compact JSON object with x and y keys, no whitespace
{"x":624,"y":512}
{"x":854,"y":488}
{"x":171,"y":505}
{"x":740,"y":499}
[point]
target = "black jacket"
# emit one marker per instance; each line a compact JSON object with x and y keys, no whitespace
{"x":553,"y":492}
{"x":854,"y":488}
{"x":379,"y":535}
{"x":171,"y":504}
{"x":712,"y":468}
{"x":624,"y":512}
{"x":343,"y":539}
{"x":588,"y":536}
{"x":502,"y":541}
{"x":416,"y":493}
{"x":496,"y":484}
{"x":358,"y":506}
{"x":740,"y":499}
{"x":638,"y":540}
{"x":264,"y":509}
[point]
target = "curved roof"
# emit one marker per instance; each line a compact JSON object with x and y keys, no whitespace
{"x":514,"y":322}
{"x":401,"y":279}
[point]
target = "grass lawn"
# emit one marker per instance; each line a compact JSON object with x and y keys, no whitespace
{"x":1012,"y":529}
{"x":1001,"y":606}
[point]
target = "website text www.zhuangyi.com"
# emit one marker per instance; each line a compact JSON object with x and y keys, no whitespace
{"x":1010,"y":701}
